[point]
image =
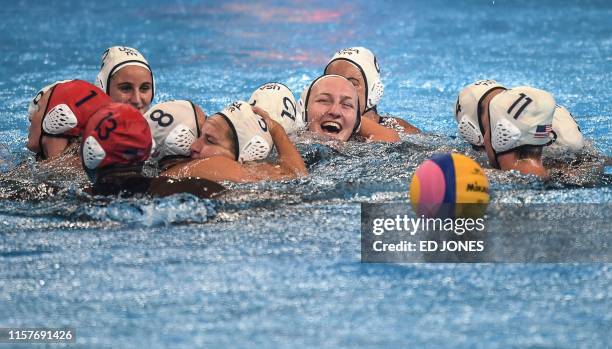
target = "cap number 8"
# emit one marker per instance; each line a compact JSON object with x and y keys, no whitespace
{"x":162,"y":119}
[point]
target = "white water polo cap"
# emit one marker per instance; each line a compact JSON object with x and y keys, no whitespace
{"x":366,"y":61}
{"x":305,"y":97}
{"x":174,"y":127}
{"x":33,"y":107}
{"x":566,"y":130}
{"x":252,"y":139}
{"x":117,"y":57}
{"x":521,"y":116}
{"x":278,"y":100}
{"x":466,"y":109}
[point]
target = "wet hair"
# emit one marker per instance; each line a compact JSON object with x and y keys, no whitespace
{"x":231,"y":135}
{"x":114,"y":180}
{"x":529,"y":151}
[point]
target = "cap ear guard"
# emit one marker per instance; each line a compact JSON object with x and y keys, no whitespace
{"x":252,"y":139}
{"x":467,"y":109}
{"x":301,"y":110}
{"x":470,"y":132}
{"x":504,"y":136}
{"x":59,"y":119}
{"x":376,"y":93}
{"x":256,"y":149}
{"x":33,"y":107}
{"x":93,"y":153}
{"x":179,"y":141}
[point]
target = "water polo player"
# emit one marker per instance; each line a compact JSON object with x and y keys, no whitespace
{"x":360,"y":67}
{"x":565,"y":130}
{"x":278,"y":101}
{"x":232,"y":142}
{"x":329,"y":106}
{"x":517,"y":124}
{"x":58,"y":114}
{"x":175,"y":126}
{"x":117,"y":142}
{"x":125,"y":75}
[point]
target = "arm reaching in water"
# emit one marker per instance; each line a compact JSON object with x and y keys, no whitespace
{"x":373,"y":131}
{"x":408,"y":128}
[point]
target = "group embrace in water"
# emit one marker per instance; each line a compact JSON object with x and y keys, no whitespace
{"x":111,"y":130}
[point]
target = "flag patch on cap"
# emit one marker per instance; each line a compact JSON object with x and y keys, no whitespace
{"x":542,"y":131}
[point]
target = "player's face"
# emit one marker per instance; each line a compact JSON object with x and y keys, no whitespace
{"x":216,"y":140}
{"x":132,"y":85}
{"x":352,"y":74}
{"x":332,"y":108}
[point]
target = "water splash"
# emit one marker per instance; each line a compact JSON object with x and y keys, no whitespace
{"x":151,"y":212}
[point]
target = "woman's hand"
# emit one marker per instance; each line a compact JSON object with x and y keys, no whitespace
{"x":272,"y":124}
{"x":289,"y":158}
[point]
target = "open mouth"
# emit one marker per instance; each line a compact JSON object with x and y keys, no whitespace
{"x":331,"y":127}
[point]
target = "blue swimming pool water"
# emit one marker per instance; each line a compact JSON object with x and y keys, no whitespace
{"x":277,"y":264}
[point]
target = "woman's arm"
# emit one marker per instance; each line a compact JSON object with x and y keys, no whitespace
{"x":216,"y":168}
{"x":372,"y":131}
{"x":408,"y":128}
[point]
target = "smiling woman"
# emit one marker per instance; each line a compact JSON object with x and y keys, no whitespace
{"x":330,"y":107}
{"x":126,"y":77}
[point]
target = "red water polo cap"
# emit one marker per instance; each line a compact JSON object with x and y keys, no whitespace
{"x":70,"y":106}
{"x":117,"y":134}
